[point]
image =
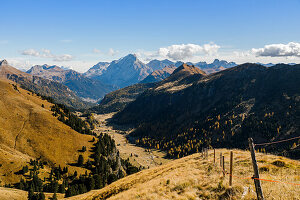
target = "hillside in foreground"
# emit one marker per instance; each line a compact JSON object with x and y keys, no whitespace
{"x":193,"y":177}
{"x":29,"y":131}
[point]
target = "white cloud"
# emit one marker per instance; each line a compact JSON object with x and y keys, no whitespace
{"x":278,"y":50}
{"x":46,"y":53}
{"x":187,"y":51}
{"x":31,"y":52}
{"x":112,"y":52}
{"x":64,"y":57}
{"x":97,"y":51}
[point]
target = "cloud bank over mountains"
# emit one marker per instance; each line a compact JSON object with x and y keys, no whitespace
{"x":189,"y":52}
{"x":185,"y":51}
{"x":279,"y":50}
{"x":46,"y":53}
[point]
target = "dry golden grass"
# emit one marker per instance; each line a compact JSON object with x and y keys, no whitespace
{"x":15,"y":194}
{"x":193,"y":177}
{"x":28,"y":131}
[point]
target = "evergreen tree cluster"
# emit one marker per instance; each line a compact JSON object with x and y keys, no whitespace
{"x":226,"y":127}
{"x":64,"y":115}
{"x":105,"y":166}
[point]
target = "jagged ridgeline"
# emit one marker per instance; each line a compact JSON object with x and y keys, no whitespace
{"x":119,"y":99}
{"x":220,"y":110}
{"x":45,"y":87}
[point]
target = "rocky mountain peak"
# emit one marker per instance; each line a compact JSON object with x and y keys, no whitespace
{"x":191,"y":69}
{"x":3,"y":62}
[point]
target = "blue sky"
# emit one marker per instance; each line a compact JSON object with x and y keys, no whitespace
{"x":79,"y":34}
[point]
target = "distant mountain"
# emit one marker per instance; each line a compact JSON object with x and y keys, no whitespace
{"x":266,"y":65}
{"x":178,"y":63}
{"x":45,"y":87}
{"x":216,"y":66}
{"x":124,"y":72}
{"x":84,"y":87}
{"x":159,"y":75}
{"x":119,"y":99}
{"x":97,"y":70}
{"x":159,"y":64}
{"x":130,"y":70}
{"x":221,"y":109}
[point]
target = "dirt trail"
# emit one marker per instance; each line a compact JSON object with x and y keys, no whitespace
{"x":137,"y":155}
{"x":23,"y":126}
{"x":19,"y":133}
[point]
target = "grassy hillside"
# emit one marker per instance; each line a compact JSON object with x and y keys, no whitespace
{"x":30,"y":131}
{"x":15,"y":194}
{"x":193,"y":177}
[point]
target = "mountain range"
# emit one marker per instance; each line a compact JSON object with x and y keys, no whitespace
{"x":219,"y":109}
{"x":105,"y":77}
{"x":121,"y":73}
{"x":87,"y":89}
{"x":159,"y":74}
{"x":45,"y":87}
{"x":130,"y":70}
{"x":119,"y":99}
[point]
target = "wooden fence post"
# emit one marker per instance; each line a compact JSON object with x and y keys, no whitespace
{"x":258,"y":188}
{"x":223,"y":163}
{"x":214,"y":156}
{"x":221,"y":159}
{"x":231,"y":166}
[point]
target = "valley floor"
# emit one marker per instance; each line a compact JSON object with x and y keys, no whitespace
{"x":138,"y":156}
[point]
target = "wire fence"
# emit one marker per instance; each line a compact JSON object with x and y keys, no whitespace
{"x":205,"y":154}
{"x":280,"y":141}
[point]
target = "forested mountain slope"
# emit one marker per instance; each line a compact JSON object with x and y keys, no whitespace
{"x":117,"y":100}
{"x":222,"y":109}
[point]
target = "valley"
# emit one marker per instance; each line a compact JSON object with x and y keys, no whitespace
{"x":138,"y":156}
{"x":150,"y":100}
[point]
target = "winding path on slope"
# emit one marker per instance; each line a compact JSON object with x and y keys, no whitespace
{"x":23,"y":126}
